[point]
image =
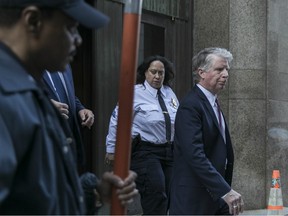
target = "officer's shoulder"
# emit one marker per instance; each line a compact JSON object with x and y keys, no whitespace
{"x":139,"y":86}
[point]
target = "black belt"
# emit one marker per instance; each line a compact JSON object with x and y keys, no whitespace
{"x":167,"y":144}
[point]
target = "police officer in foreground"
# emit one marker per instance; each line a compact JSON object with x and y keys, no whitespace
{"x":37,"y":169}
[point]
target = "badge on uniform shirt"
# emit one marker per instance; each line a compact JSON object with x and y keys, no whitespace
{"x":174,"y":103}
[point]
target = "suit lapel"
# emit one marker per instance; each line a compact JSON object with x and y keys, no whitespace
{"x":210,"y":110}
{"x":207,"y":106}
{"x":70,"y":90}
{"x":51,"y":89}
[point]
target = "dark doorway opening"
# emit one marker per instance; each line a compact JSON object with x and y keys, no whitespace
{"x":152,"y":41}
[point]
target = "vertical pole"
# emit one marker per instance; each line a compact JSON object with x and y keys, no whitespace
{"x":129,"y":58}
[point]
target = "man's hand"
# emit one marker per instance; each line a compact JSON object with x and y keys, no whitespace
{"x":235,"y":202}
{"x":62,"y":107}
{"x":126,"y":190}
{"x":87,"y":117}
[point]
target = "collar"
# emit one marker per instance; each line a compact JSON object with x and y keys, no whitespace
{"x":154,"y":91}
{"x":211,"y":97}
{"x":13,"y":75}
{"x":151,"y":90}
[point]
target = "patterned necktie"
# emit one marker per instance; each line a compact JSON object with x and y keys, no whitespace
{"x":220,"y":120}
{"x":219,"y":114}
{"x":166,"y":116}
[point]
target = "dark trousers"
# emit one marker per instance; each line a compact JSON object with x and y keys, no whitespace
{"x":153,"y":164}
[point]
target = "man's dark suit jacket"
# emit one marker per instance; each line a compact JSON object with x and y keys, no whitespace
{"x":74,"y":107}
{"x":200,"y":174}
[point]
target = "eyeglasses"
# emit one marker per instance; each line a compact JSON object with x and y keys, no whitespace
{"x":154,"y":72}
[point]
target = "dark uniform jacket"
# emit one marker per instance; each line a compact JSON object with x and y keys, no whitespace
{"x":37,"y":169}
{"x":203,"y":162}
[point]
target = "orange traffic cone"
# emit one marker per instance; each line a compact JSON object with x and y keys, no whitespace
{"x":275,"y":204}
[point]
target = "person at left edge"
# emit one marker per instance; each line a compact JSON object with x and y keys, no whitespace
{"x":38,"y":175}
{"x":70,"y":106}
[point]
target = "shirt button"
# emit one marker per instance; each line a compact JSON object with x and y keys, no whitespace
{"x":69,"y":140}
{"x":65,"y":149}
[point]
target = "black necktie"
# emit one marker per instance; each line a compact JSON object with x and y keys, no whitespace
{"x":60,"y":90}
{"x":166,"y":116}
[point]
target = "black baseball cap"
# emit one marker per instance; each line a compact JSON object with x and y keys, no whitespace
{"x":77,"y":9}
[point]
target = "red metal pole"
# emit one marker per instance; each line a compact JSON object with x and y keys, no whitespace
{"x":129,"y":58}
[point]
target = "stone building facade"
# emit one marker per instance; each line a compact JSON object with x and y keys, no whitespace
{"x":256,"y":99}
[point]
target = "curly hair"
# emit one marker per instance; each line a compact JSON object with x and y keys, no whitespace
{"x":142,"y":68}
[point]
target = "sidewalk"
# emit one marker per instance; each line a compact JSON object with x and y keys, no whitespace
{"x":135,"y":209}
{"x":261,"y":212}
{"x":105,"y":211}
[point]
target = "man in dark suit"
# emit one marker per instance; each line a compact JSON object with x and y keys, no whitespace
{"x":203,"y":154}
{"x":60,"y":87}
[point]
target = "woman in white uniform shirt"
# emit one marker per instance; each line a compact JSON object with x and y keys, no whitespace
{"x":152,"y":148}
